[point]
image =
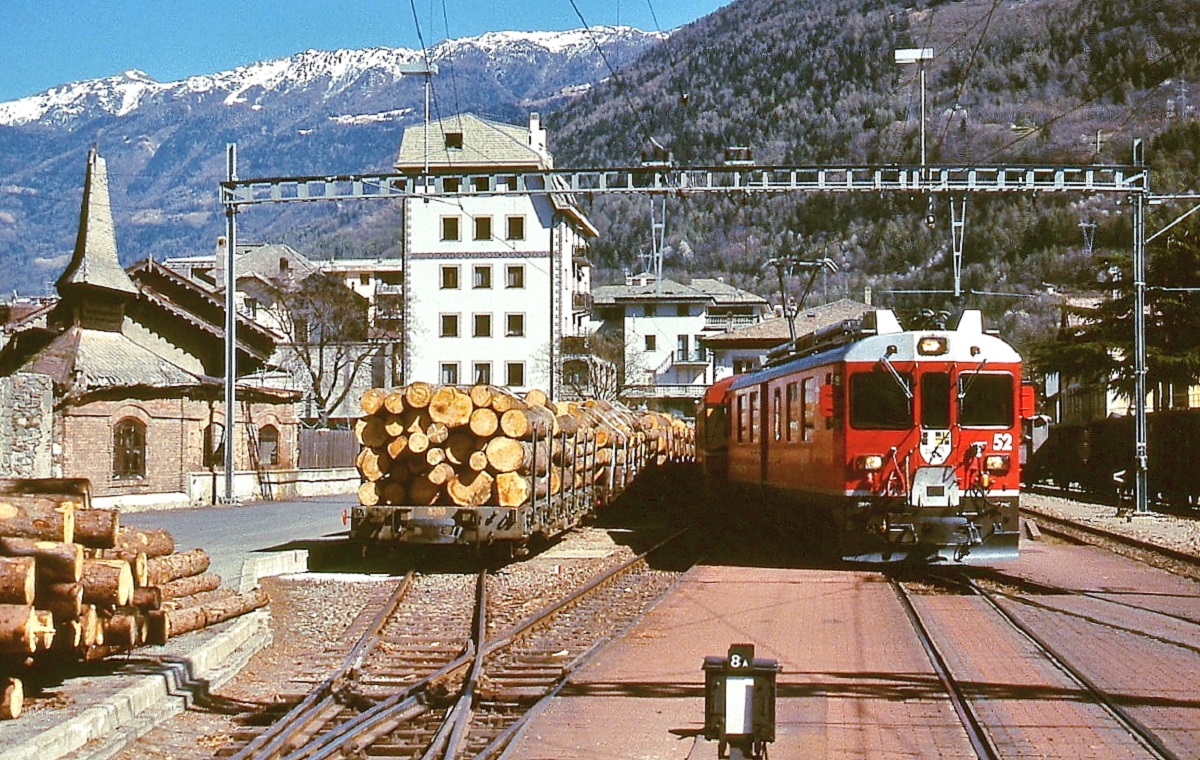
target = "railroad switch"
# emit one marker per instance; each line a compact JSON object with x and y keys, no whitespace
{"x":739,"y":702}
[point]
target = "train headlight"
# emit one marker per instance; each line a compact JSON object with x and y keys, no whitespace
{"x":932,"y":345}
{"x":997,"y":464}
{"x":869,"y":462}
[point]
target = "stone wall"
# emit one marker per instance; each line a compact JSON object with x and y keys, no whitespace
{"x":26,"y":426}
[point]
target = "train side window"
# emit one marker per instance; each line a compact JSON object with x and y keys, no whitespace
{"x":985,"y":400}
{"x":879,"y":402}
{"x":793,"y":411}
{"x":755,"y":422}
{"x":935,"y":400}
{"x":811,"y":396}
{"x":777,"y":415}
{"x":741,"y":418}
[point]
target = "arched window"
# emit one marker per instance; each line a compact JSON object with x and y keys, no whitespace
{"x":214,"y":445}
{"x":268,"y":445}
{"x":129,"y":449}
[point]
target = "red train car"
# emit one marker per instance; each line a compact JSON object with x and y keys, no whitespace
{"x":896,"y":444}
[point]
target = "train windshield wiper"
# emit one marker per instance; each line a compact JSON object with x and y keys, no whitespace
{"x":899,"y":380}
{"x":971,"y":380}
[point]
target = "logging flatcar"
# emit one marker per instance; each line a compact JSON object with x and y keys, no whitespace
{"x":504,"y":473}
{"x":887,"y":444}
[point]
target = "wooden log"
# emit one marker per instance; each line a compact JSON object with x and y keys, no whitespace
{"x":394,"y":425}
{"x":53,"y":560}
{"x":370,"y":493}
{"x":68,"y":635}
{"x":417,"y":395}
{"x":92,"y":633}
{"x":470,"y":489}
{"x":158,"y":627}
{"x":535,"y":397}
{"x":20,"y":629}
{"x":198,"y":599}
{"x":450,"y":406}
{"x":536,"y":459}
{"x":512,"y":489}
{"x":397,"y":446}
{"x":434,"y":456}
{"x":372,"y":400}
{"x":147,"y":598}
{"x":194,"y":618}
{"x":504,"y":454}
{"x":372,"y":463}
{"x":459,"y":448}
{"x":415,"y":420}
{"x":440,"y":474}
{"x":46,"y":629}
{"x":16,"y":580}
{"x":423,"y":493}
{"x":481,"y":396}
{"x":567,"y":424}
{"x":12,"y":698}
{"x":437,"y":433}
{"x":107,"y":582}
{"x":393,"y":402}
{"x":65,"y":600}
{"x":477,"y":461}
{"x":153,"y":542}
{"x":418,"y":442}
{"x":483,"y":422}
{"x":192,"y":584}
{"x":122,"y":631}
{"x":97,"y":528}
{"x":39,"y":518}
{"x":523,"y":424}
{"x":371,"y":431}
{"x":178,"y":565}
{"x":503,"y":401}
{"x":393,"y":492}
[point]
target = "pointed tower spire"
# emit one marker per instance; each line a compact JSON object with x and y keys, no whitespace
{"x":95,"y":264}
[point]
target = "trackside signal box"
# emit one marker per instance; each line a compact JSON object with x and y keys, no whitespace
{"x":739,"y":701}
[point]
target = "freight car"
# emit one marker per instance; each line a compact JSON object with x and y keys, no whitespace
{"x":883,"y":443}
{"x":481,"y":468}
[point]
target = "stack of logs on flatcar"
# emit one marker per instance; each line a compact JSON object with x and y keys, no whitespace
{"x":424,"y":445}
{"x":76,"y":586}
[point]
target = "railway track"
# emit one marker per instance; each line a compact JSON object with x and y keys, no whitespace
{"x":987,"y":736}
{"x":432,"y":676}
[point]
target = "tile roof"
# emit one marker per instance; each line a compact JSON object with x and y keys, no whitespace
{"x":485,"y":143}
{"x":774,"y":331}
{"x":701,"y":289}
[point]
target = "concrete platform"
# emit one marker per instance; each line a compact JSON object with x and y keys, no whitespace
{"x":105,"y":710}
{"x":871,"y":694}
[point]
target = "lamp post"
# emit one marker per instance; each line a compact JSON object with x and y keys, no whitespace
{"x":917,"y":56}
{"x":426,"y":70}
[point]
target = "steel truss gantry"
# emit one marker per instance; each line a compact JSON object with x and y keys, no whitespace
{"x":1131,"y":180}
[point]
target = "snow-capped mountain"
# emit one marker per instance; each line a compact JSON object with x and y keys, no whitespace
{"x":333,"y":72}
{"x":315,"y":112}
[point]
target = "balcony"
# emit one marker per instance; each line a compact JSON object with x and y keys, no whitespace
{"x":692,"y":392}
{"x":697,"y":358}
{"x":727,"y":322}
{"x":581,"y":301}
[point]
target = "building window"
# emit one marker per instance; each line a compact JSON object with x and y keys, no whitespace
{"x":214,"y":445}
{"x":651,"y":342}
{"x":650,"y":310}
{"x":681,"y":310}
{"x":514,"y":276}
{"x":450,"y":228}
{"x":454,"y":141}
{"x":514,"y":326}
{"x":451,"y":184}
{"x":480,"y":184}
{"x":516,"y":228}
{"x":450,"y":277}
{"x":482,"y":327}
{"x":483,"y":228}
{"x":449,"y":326}
{"x":483,"y":373}
{"x":482,"y":276}
{"x":515,"y":373}
{"x":268,"y":445}
{"x":129,"y":449}
{"x":449,"y":371}
{"x":681,"y":348}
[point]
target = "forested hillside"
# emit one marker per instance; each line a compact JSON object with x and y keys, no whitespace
{"x":812,"y":81}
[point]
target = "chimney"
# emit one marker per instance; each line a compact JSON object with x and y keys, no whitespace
{"x":537,"y":136}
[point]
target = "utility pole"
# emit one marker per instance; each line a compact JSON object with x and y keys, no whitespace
{"x":230,"y":327}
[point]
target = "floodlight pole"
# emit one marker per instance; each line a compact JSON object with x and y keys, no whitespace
{"x":426,"y":70}
{"x":917,"y":56}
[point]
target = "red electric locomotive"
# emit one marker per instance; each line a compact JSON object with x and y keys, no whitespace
{"x":898,"y":444}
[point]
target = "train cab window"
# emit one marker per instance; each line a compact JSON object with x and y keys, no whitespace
{"x":878,"y":401}
{"x":985,"y":399}
{"x":755,"y":422}
{"x":777,"y":415}
{"x":935,"y":401}
{"x":793,"y":412}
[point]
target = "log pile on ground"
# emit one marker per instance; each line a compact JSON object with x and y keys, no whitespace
{"x":425,"y":445}
{"x":76,"y":586}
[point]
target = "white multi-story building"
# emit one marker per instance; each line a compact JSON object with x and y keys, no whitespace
{"x":492,"y":284}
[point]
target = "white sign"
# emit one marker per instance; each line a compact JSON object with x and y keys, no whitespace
{"x":739,"y":715}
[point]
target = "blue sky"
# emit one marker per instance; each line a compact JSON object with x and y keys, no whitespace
{"x":44,"y":43}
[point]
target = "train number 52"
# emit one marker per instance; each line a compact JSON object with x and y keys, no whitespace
{"x":1002,"y":442}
